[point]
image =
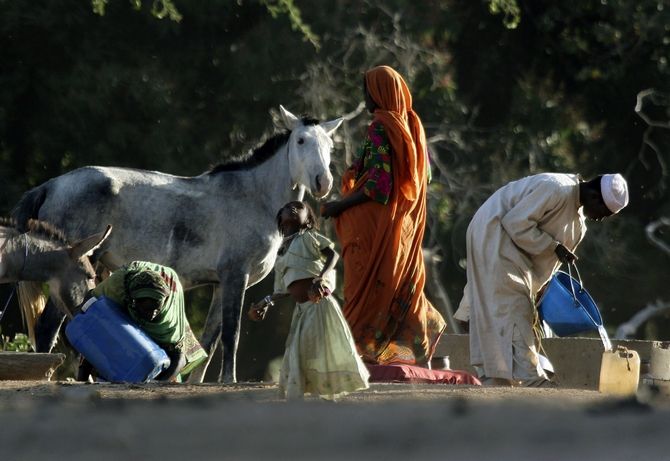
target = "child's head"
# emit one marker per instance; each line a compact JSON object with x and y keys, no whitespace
{"x":295,"y":216}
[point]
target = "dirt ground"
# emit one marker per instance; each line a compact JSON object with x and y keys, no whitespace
{"x":65,"y":420}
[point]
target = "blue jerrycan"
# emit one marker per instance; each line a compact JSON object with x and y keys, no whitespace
{"x":109,"y":339}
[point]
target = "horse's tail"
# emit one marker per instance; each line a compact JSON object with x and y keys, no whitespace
{"x":32,"y":301}
{"x":29,"y":206}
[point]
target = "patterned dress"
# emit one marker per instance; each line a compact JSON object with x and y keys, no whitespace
{"x":320,"y":357}
{"x":391,"y":320}
{"x":374,"y":157}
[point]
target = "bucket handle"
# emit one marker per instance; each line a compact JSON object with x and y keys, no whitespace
{"x":624,"y":353}
{"x":572,"y":285}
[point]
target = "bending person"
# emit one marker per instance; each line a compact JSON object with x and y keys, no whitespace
{"x":515,"y":242}
{"x":153,"y":297}
{"x":380,"y":224}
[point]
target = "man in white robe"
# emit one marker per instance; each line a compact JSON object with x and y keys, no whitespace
{"x":515,"y":242}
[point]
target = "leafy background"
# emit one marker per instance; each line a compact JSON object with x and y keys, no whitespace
{"x":505,"y":88}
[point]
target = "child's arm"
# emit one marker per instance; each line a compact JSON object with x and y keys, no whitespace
{"x":258,"y":309}
{"x":318,"y":289}
{"x":331,"y":260}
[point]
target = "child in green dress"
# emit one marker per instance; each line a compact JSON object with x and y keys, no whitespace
{"x":320,"y":357}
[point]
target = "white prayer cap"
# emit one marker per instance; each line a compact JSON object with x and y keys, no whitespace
{"x":614,"y":190}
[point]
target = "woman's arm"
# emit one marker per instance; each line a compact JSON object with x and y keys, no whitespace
{"x":335,"y":208}
{"x":375,"y":159}
{"x":177,"y":362}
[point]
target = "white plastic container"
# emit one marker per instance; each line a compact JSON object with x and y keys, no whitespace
{"x":660,"y":361}
{"x":619,"y":372}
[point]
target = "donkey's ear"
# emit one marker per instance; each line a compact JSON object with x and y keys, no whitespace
{"x":88,"y":245}
{"x":290,"y":120}
{"x":332,"y":125}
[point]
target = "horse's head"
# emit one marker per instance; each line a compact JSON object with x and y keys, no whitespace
{"x":309,"y":149}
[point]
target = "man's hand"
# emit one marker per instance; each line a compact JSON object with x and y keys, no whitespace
{"x":564,"y":255}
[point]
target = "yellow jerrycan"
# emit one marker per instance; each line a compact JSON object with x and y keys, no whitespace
{"x":619,"y":372}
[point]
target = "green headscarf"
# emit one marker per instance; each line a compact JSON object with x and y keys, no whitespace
{"x":147,"y":284}
{"x":141,"y":279}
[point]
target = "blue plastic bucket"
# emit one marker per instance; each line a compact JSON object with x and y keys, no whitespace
{"x":118,"y":349}
{"x":566,"y":308}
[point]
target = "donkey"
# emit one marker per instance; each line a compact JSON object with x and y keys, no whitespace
{"x":216,"y":228}
{"x":42,"y":254}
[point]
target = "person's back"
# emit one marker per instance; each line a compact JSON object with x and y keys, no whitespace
{"x":507,"y":197}
{"x":534,"y":213}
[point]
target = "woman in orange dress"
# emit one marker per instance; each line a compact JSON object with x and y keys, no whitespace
{"x":380,"y":223}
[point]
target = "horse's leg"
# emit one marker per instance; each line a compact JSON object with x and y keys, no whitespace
{"x":210,"y":335}
{"x":47,"y":327}
{"x":235,"y":284}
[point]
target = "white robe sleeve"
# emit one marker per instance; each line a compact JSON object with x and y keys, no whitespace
{"x":522,"y":221}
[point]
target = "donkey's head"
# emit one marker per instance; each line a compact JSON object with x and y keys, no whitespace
{"x":309,"y":149}
{"x":74,"y":275}
{"x":43,"y":255}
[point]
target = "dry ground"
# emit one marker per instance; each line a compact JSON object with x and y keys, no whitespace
{"x":62,"y":420}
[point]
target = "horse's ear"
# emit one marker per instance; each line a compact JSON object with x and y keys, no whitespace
{"x":89,"y":244}
{"x":290,"y":120}
{"x":332,"y":125}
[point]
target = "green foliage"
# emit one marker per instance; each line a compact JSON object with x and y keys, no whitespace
{"x":159,"y":8}
{"x":288,"y":7}
{"x":20,"y":343}
{"x":164,"y":9}
{"x":509,"y":8}
{"x":167,"y":9}
{"x":552,"y":87}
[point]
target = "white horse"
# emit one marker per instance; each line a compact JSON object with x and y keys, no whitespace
{"x":43,"y":255}
{"x":216,"y":228}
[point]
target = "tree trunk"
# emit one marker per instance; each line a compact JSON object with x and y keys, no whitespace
{"x":435,"y":289}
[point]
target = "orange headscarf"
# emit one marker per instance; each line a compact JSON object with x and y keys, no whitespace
{"x":403,"y":127}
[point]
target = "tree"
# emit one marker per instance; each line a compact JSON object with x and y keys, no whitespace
{"x":505,"y":88}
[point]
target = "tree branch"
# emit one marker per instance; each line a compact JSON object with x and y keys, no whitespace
{"x":627,"y":329}
{"x":651,"y":229}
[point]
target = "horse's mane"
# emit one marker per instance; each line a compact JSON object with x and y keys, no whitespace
{"x":42,"y":228}
{"x":261,"y":153}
